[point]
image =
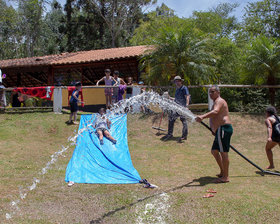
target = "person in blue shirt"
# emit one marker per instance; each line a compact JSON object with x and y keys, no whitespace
{"x":74,"y":103}
{"x":182,"y":97}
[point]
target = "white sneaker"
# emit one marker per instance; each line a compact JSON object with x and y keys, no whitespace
{"x":70,"y":183}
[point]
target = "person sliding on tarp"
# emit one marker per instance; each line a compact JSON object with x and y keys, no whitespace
{"x":102,"y":124}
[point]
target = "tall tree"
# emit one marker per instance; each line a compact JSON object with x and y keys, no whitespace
{"x":8,"y":31}
{"x":150,"y":24}
{"x":53,"y":39}
{"x":121,"y":17}
{"x":31,"y":14}
{"x":217,"y":21}
{"x":69,"y":24}
{"x":178,"y":52}
{"x":262,"y":18}
{"x":262,"y":63}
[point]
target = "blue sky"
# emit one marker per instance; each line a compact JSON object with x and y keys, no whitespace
{"x":184,"y":8}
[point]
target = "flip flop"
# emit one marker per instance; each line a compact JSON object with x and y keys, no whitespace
{"x":211,"y":191}
{"x":208,"y":195}
{"x":220,"y":181}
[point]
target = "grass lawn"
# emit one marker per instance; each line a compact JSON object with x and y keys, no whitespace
{"x":183,"y":173}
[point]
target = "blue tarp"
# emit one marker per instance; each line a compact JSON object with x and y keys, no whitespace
{"x":102,"y":164}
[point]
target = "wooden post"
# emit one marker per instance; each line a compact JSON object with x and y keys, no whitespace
{"x":57,"y":100}
{"x":18,"y":79}
{"x":210,"y":101}
{"x":82,"y":75}
{"x":50,"y":76}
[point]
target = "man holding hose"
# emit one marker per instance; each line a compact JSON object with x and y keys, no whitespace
{"x":222,"y":129}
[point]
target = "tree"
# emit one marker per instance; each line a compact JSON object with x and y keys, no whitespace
{"x":31,"y":14}
{"x":178,"y":52}
{"x":8,"y":31}
{"x":262,"y":18}
{"x":150,"y":24}
{"x":53,"y":39}
{"x":120,"y":16}
{"x":217,"y":21}
{"x":262,"y":63}
{"x":219,"y":27}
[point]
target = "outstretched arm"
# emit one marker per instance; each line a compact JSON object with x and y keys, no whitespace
{"x":99,"y":81}
{"x":122,"y":82}
{"x":115,"y":81}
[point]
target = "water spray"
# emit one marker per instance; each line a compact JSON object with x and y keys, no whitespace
{"x":54,"y":157}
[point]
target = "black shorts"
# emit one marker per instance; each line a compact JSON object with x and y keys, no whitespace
{"x":275,"y":138}
{"x":74,"y":107}
{"x":222,"y":138}
{"x":101,"y":129}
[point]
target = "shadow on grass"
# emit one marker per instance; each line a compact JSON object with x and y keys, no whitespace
{"x":202,"y":181}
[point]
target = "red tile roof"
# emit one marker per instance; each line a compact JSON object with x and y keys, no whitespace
{"x":33,"y":61}
{"x":102,"y":55}
{"x":76,"y":57}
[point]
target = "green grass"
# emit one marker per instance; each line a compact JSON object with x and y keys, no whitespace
{"x":183,"y":171}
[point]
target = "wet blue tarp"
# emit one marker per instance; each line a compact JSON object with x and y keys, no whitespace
{"x":102,"y":164}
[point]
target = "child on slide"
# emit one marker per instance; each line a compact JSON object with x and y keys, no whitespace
{"x":102,"y":124}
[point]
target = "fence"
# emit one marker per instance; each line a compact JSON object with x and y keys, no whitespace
{"x":94,"y":96}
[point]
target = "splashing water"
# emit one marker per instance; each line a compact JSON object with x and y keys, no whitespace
{"x":145,"y":99}
{"x":132,"y":105}
{"x":23,"y":192}
{"x":156,"y":211}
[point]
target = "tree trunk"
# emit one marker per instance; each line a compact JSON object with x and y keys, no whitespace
{"x":68,"y":9}
{"x":101,"y":27}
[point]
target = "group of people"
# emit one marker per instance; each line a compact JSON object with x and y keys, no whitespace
{"x":221,"y":127}
{"x":220,"y":123}
{"x":113,"y":95}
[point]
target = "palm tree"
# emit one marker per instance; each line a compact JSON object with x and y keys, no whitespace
{"x":178,"y":52}
{"x":262,"y":64}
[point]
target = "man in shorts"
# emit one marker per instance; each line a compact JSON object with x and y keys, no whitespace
{"x":222,"y":129}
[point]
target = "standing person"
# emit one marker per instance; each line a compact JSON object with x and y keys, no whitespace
{"x":273,"y":137}
{"x":182,"y":97}
{"x":129,"y":88}
{"x":117,"y":83}
{"x":15,"y":99}
{"x":221,"y":127}
{"x":74,"y":103}
{"x":108,"y":82}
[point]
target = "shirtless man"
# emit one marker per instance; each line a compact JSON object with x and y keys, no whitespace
{"x":222,"y":129}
